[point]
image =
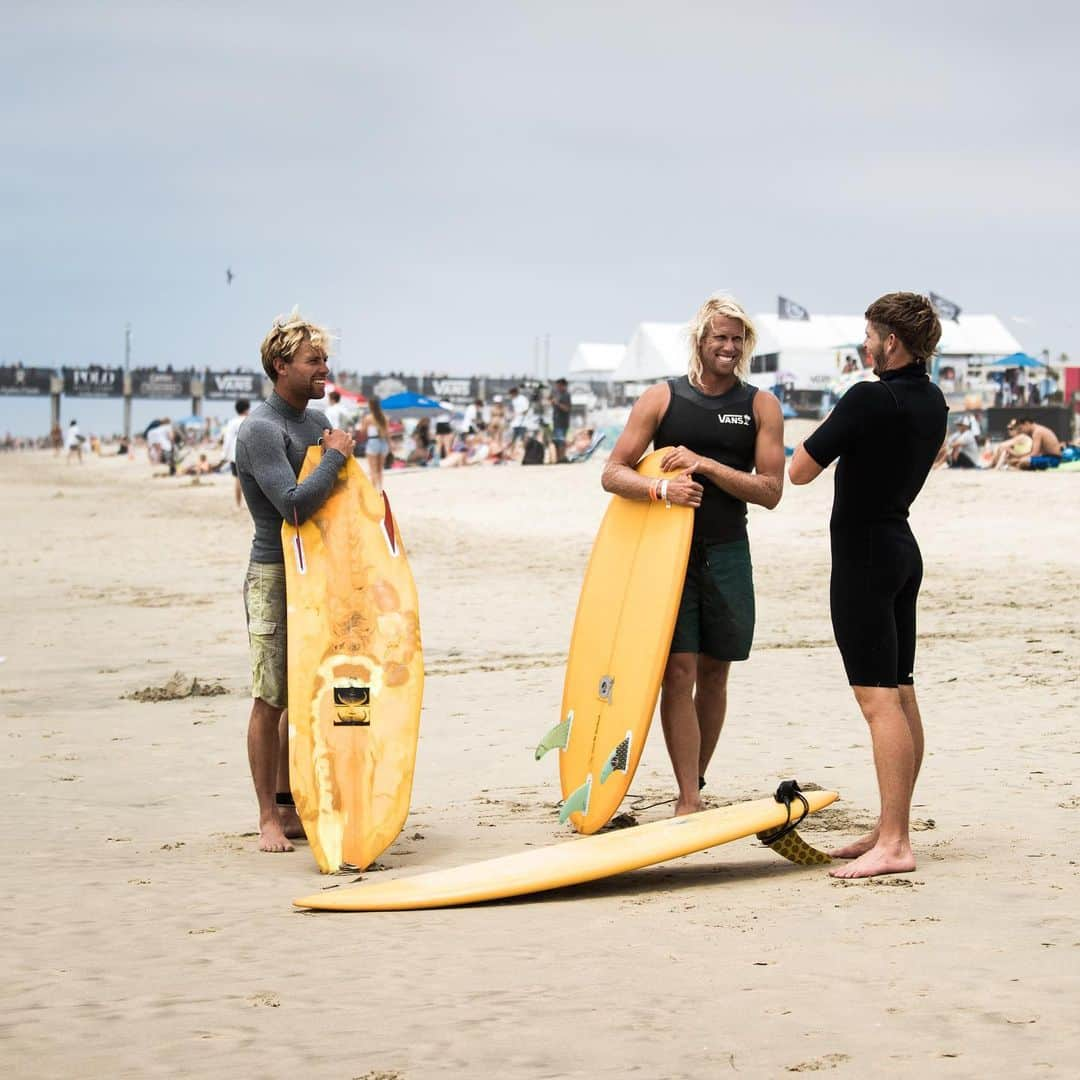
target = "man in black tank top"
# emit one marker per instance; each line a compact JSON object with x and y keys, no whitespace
{"x":726,"y":441}
{"x":885,"y":436}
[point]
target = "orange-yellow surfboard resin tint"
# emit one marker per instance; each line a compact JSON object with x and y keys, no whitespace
{"x":356,"y":672}
{"x":618,"y":650}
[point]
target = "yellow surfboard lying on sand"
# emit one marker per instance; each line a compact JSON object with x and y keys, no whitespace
{"x":356,"y":672}
{"x":618,"y":651}
{"x":573,"y":862}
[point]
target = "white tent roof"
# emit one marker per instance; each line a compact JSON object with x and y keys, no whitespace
{"x":656,"y":351}
{"x":660,"y":350}
{"x":970,"y":335}
{"x":977,"y":335}
{"x":592,"y":359}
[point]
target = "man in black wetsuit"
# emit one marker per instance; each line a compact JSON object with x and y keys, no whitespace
{"x":727,"y":439}
{"x":886,"y":435}
{"x":270,"y":448}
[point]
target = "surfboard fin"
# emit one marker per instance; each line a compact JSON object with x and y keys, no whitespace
{"x":557,"y":738}
{"x":618,"y":759}
{"x":576,"y":801}
{"x":793,"y":848}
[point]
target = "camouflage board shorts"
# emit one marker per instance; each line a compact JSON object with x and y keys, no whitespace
{"x":264,"y":602}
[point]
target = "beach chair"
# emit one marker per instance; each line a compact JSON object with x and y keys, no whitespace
{"x":588,"y":452}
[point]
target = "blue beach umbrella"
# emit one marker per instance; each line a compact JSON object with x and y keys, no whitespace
{"x":1017,"y":360}
{"x":410,"y":404}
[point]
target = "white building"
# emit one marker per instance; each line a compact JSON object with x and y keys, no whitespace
{"x":594,"y":361}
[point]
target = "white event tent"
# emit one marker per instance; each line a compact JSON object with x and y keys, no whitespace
{"x":594,"y":361}
{"x":656,"y":351}
{"x":812,"y":351}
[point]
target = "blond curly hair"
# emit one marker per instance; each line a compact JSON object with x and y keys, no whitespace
{"x":287,"y":334}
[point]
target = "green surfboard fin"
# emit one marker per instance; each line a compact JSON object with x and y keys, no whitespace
{"x":618,"y":759}
{"x":578,"y":800}
{"x":557,"y":738}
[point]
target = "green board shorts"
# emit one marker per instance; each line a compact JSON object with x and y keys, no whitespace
{"x":264,"y":602}
{"x":716,"y":613}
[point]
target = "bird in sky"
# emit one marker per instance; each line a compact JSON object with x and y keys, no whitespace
{"x":229,"y":275}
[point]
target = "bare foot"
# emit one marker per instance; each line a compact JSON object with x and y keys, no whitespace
{"x":290,"y":822}
{"x":682,"y":808}
{"x":881,"y":859}
{"x":859,"y":847}
{"x":272,"y":836}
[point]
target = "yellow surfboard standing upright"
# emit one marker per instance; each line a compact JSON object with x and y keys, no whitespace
{"x":618,"y":650}
{"x":356,"y":672}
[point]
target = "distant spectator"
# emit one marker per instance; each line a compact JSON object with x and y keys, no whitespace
{"x":963,"y":450}
{"x":560,"y":417}
{"x":228,"y":445}
{"x":73,"y":441}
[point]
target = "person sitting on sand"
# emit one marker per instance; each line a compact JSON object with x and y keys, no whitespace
{"x":202,"y":467}
{"x":1014,"y":446}
{"x":1045,"y":452}
{"x":423,"y":444}
{"x":962,"y":451}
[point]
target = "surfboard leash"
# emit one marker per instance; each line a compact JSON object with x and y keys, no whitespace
{"x":785,"y":841}
{"x":787,"y":793}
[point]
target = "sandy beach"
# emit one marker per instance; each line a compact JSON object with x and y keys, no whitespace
{"x":146,"y":936}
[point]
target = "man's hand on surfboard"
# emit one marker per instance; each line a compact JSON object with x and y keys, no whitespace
{"x":341,"y":441}
{"x":684,"y":490}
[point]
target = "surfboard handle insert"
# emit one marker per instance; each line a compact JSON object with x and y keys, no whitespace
{"x":607,"y":685}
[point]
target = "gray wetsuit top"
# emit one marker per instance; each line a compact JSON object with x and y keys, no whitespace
{"x":270,"y":448}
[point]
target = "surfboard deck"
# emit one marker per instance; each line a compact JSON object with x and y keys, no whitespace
{"x":355,"y":669}
{"x":572,"y":862}
{"x":619,"y":648}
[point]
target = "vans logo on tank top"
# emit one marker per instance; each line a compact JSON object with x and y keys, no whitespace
{"x":732,"y":418}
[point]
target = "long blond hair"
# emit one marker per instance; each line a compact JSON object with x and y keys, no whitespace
{"x":287,"y":334}
{"x":723,"y":305}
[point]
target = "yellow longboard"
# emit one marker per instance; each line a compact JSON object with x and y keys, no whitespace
{"x":356,"y":672}
{"x":618,"y":651}
{"x":588,"y":858}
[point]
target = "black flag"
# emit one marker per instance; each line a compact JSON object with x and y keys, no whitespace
{"x":788,"y":309}
{"x":944,"y":309}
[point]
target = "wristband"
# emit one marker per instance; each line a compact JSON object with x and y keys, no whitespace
{"x":652,"y":490}
{"x":663,"y":491}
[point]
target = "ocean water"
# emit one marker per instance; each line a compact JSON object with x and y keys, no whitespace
{"x":28,"y":417}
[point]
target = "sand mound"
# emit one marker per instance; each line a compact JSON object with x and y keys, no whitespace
{"x":179,"y":686}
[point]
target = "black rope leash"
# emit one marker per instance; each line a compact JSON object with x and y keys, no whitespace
{"x":787,"y":793}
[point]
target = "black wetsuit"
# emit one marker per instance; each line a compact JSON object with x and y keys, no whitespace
{"x":716,"y":613}
{"x":886,"y":435}
{"x":717,"y":426}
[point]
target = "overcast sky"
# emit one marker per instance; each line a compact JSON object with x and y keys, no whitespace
{"x":444,"y":182}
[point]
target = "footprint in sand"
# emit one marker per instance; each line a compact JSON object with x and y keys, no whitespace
{"x":266,"y":998}
{"x":829,"y":1061}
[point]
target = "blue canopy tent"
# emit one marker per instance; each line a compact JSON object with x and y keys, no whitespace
{"x":1017,"y":360}
{"x":410,"y":404}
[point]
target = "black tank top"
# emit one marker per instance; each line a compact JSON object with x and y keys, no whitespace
{"x":721,"y":427}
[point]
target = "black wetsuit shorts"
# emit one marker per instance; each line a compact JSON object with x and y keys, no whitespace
{"x":873,"y":592}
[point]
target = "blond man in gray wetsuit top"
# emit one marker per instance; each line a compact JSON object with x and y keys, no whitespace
{"x":270,"y":448}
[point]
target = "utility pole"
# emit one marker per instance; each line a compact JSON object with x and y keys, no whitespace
{"x":127,"y":382}
{"x":547,"y":357}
